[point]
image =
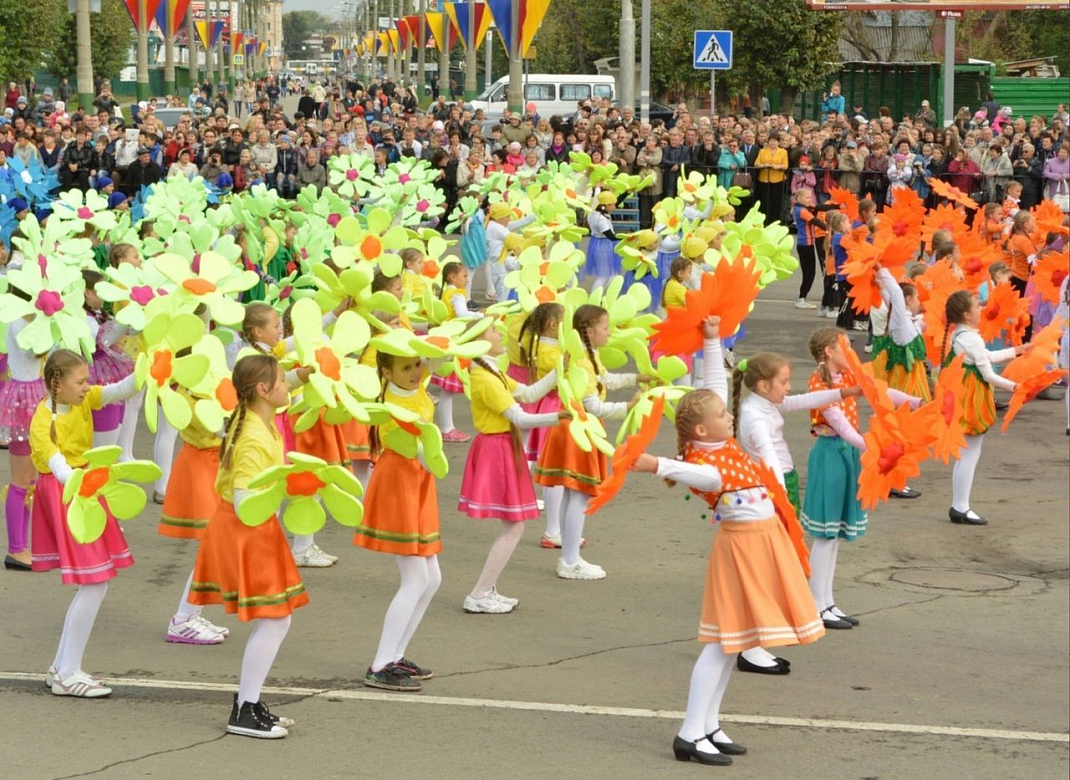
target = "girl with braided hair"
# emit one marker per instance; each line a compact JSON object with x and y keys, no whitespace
{"x":60,"y":433}
{"x":756,"y":594}
{"x":496,"y":482}
{"x":963,"y":314}
{"x":249,"y":569}
{"x":564,"y":464}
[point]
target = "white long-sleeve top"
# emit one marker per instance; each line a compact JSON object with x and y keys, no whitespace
{"x":22,"y":365}
{"x":966,"y":341}
{"x":599,"y":223}
{"x":495,"y":234}
{"x":529,"y":394}
{"x":238,"y":343}
{"x":761,"y":426}
{"x":714,"y":377}
{"x":900,"y":326}
{"x":755,"y":505}
{"x":610,"y":410}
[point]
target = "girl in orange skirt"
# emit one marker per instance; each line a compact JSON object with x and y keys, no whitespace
{"x":401,"y":519}
{"x":249,"y":569}
{"x":186,"y":511}
{"x":496,"y":482}
{"x":756,"y":593}
{"x":564,"y":464}
{"x":963,"y":313}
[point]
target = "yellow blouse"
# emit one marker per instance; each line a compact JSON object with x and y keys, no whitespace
{"x":415,"y":284}
{"x":195,"y":434}
{"x":258,"y":448}
{"x":767,"y":157}
{"x":675,"y":293}
{"x":74,"y":432}
{"x":490,"y":398}
{"x":417,"y":401}
{"x":513,"y":324}
{"x":447,"y":298}
{"x":593,"y":386}
{"x":546,"y":360}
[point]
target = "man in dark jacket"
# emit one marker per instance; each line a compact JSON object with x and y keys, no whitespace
{"x":142,"y":173}
{"x":79,"y":162}
{"x":306,"y":105}
{"x":673,"y":158}
{"x":1029,"y":172}
{"x":232,"y":149}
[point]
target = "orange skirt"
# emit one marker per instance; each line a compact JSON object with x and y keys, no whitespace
{"x":400,"y":509}
{"x":914,"y":381}
{"x":324,"y":441}
{"x":358,"y":440}
{"x":978,"y":406}
{"x":756,"y":592}
{"x":563,"y":463}
{"x":191,"y":499}
{"x":248,"y":569}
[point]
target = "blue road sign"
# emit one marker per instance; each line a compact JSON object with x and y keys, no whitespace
{"x":713,"y":49}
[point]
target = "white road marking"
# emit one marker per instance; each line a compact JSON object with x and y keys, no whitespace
{"x":575,"y":709}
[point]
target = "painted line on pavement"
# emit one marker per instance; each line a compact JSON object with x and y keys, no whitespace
{"x":576,"y":709}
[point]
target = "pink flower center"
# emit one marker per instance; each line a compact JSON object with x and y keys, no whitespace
{"x":85,"y":213}
{"x":334,"y":219}
{"x":352,"y":174}
{"x":49,"y":302}
{"x":42,"y":263}
{"x":286,"y":291}
{"x":304,"y":253}
{"x":423,"y":205}
{"x":185,"y":218}
{"x":195,"y":266}
{"x":404,"y":178}
{"x":142,"y":294}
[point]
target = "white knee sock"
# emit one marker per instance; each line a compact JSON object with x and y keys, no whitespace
{"x":711,"y":667}
{"x":553,"y":497}
{"x":572,"y":520}
{"x":759,"y":656}
{"x":820,"y":566}
{"x":500,"y":553}
{"x":414,"y":581}
{"x":488,"y":276}
{"x":444,"y":412}
{"x":362,"y":470}
{"x":185,"y":609}
{"x":600,"y":281}
{"x":434,"y":579}
{"x":962,"y":473}
{"x":77,"y":626}
{"x":163,"y":450}
{"x":260,"y":651}
{"x":106,"y":438}
{"x":131,"y":412}
{"x":830,"y":576}
{"x":302,"y":542}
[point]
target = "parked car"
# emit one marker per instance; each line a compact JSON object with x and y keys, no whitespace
{"x":170,"y":115}
{"x":551,"y":93}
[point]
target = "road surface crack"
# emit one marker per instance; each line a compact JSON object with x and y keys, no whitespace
{"x":114,"y":764}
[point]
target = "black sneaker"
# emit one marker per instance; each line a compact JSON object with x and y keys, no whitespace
{"x":249,"y":720}
{"x":265,"y":713}
{"x":392,"y":678}
{"x":413,"y":669}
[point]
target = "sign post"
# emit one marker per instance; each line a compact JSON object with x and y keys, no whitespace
{"x":713,"y":52}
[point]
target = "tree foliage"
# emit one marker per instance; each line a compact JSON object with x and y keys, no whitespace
{"x":298,"y":27}
{"x":1007,"y":36}
{"x":27,"y":31}
{"x":112,"y":35}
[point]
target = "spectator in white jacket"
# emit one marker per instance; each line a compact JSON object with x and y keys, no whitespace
{"x":265,"y":156}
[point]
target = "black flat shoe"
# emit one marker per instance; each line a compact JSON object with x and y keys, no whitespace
{"x":15,"y":564}
{"x":906,"y":492}
{"x":963,"y":518}
{"x":832,"y":620}
{"x":746,"y":666}
{"x":685,"y":750}
{"x":728,"y":748}
{"x":852,"y":620}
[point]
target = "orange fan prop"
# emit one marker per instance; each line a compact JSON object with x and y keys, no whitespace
{"x":943,"y":217}
{"x":1028,"y":390}
{"x":946,"y":410}
{"x":975,"y":256}
{"x":1050,"y":272}
{"x":1006,"y":312}
{"x":625,"y":456}
{"x":847,"y":201}
{"x":953,"y":194}
{"x":786,"y":512}
{"x":1049,"y":219}
{"x":904,"y":218}
{"x":934,"y":287}
{"x":895,"y":447}
{"x":863,"y":260}
{"x":875,"y":390}
{"x":1032,"y":371}
{"x":727,"y":292}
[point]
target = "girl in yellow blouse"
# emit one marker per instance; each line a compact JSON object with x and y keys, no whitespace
{"x":249,"y":569}
{"x":60,"y":433}
{"x":401,"y":519}
{"x":563,"y":463}
{"x":675,"y":294}
{"x":454,"y":279}
{"x":496,"y":482}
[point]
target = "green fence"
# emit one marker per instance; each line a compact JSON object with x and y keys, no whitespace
{"x":1029,"y":96}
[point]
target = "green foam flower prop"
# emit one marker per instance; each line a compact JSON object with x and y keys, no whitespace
{"x":295,"y":287}
{"x":423,"y":205}
{"x":355,"y":284}
{"x":695,"y":187}
{"x":586,"y":430}
{"x":134,"y":292}
{"x":639,"y":252}
{"x":628,"y":328}
{"x":306,"y":485}
{"x":158,"y":368}
{"x":312,"y":241}
{"x":56,"y":294}
{"x":466,"y":209}
{"x":101,"y":480}
{"x":414,"y":437}
{"x":176,"y":198}
{"x":214,"y":397}
{"x":215,"y":283}
{"x":54,"y":244}
{"x":645,"y":403}
{"x":770,"y":246}
{"x":351,"y":175}
{"x":540,"y":281}
{"x":375,"y":242}
{"x":324,"y":204}
{"x":554,"y":219}
{"x":340,"y":385}
{"x":74,"y":209}
{"x":454,"y":339}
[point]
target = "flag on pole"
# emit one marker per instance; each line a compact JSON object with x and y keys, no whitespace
{"x":202,"y":34}
{"x":502,"y":11}
{"x":459,"y":16}
{"x":151,"y":6}
{"x":532,"y":12}
{"x":235,"y":41}
{"x":217,"y":30}
{"x":434,"y":24}
{"x":171,"y":15}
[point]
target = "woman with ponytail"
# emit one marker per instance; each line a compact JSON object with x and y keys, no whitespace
{"x":963,"y":314}
{"x":496,"y":482}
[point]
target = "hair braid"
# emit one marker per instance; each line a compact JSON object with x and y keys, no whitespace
{"x":233,"y":430}
{"x":737,"y":394}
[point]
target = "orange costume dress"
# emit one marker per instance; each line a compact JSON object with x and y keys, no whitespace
{"x":189,"y":506}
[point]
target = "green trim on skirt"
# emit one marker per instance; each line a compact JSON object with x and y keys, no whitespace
{"x":831,"y":509}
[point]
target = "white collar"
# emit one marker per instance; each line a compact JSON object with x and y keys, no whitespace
{"x":547,"y":340}
{"x":401,"y":391}
{"x":763,"y":403}
{"x":63,"y":408}
{"x":708,"y":445}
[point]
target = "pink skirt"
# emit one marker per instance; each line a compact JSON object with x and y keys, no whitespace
{"x":522,"y":375}
{"x":108,"y":418}
{"x":109,"y":367}
{"x":537,"y":436}
{"x":53,"y":547}
{"x":18,"y":402}
{"x":494,"y":485}
{"x":286,"y":431}
{"x":451,"y":384}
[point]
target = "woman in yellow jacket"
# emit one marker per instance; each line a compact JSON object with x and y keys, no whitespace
{"x":772,"y":166}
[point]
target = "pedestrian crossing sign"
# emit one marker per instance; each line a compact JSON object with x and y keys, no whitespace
{"x":713,"y":49}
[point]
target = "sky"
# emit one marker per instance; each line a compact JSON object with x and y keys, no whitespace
{"x":327,"y":7}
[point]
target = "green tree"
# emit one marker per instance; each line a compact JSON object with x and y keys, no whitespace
{"x":298,"y":27}
{"x":112,"y":35}
{"x":27,"y":31}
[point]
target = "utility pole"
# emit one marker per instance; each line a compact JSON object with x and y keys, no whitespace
{"x":85,"y":55}
{"x":391,"y":57}
{"x":444,"y":54}
{"x":421,"y":52}
{"x":169,"y":61}
{"x":191,"y":34}
{"x":470,"y":83}
{"x":627,"y":55}
{"x":488,"y":79}
{"x":235,"y":50}
{"x":644,"y":76}
{"x":949,"y":71}
{"x":142,"y":50}
{"x":515,"y":92}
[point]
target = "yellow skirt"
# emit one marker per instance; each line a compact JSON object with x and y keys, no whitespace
{"x":914,"y":381}
{"x":979,"y":405}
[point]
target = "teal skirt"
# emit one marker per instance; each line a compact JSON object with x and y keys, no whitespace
{"x":831,"y":509}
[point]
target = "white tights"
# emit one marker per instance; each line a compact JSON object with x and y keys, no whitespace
{"x":420,"y":578}
{"x":500,"y":553}
{"x":106,"y":438}
{"x":131,"y":410}
{"x":709,"y":680}
{"x":362,"y":470}
{"x":163,"y":450}
{"x":553,"y":498}
{"x":444,"y":412}
{"x":572,"y":520}
{"x":77,"y":626}
{"x":962,"y":473}
{"x":599,"y":282}
{"x":185,"y":609}
{"x":260,"y":651}
{"x":823,"y":555}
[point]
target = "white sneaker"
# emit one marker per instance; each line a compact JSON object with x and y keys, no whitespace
{"x":832,"y":314}
{"x":540,"y":504}
{"x":860,"y":325}
{"x":580,"y":570}
{"x":221,"y":630}
{"x":823,"y":312}
{"x":486,"y":604}
{"x":504,"y":599}
{"x":51,"y":674}
{"x":328,"y":556}
{"x":192,"y":631}
{"x":729,"y":359}
{"x":802,"y":303}
{"x":311,"y":558}
{"x":868,"y":348}
{"x":81,"y":685}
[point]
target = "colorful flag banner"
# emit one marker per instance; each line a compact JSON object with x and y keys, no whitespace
{"x":202,"y":34}
{"x":532,"y":12}
{"x":151,"y":6}
{"x":459,"y":16}
{"x":502,"y":11}
{"x":171,"y":15}
{"x":434,"y":24}
{"x":236,"y":41}
{"x":395,"y":40}
{"x":217,"y":30}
